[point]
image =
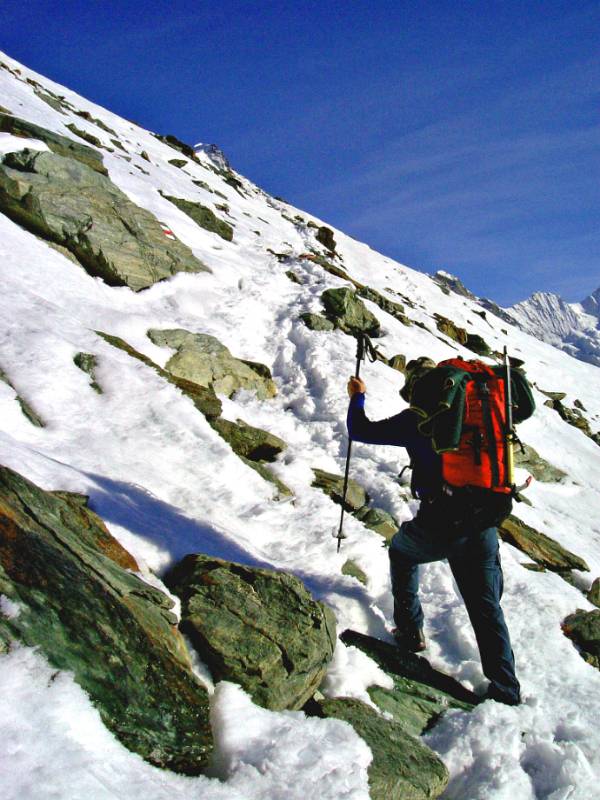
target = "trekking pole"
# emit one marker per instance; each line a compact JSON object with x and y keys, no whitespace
{"x":363,"y":346}
{"x":510,"y":453}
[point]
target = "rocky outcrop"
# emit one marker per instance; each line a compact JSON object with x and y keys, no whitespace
{"x":420,"y":694}
{"x":66,"y":202}
{"x":545,"y":551}
{"x":390,"y":307}
{"x":242,"y":438}
{"x":583,"y":628}
{"x":450,"y":283}
{"x":403,"y":768}
{"x":357,"y":502}
{"x":472,"y":341}
{"x":81,"y":605}
{"x":317,"y":322}
{"x":87,"y":362}
{"x":542,"y":470}
{"x":203,"y":216}
{"x":251,"y":443}
{"x":61,"y":145}
{"x":572,"y":416}
{"x":325,"y":237}
{"x":349,"y":313}
{"x":594,"y":593}
{"x":256,"y":627}
{"x":26,"y":408}
{"x":205,"y":361}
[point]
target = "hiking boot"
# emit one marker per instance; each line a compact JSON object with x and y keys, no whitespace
{"x":500,"y":696}
{"x":411,"y":639}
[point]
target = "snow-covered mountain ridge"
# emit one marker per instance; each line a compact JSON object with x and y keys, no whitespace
{"x":167,"y":484}
{"x":573,"y":327}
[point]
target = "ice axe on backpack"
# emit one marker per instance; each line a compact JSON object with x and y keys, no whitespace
{"x":364,"y":349}
{"x":511,"y":435}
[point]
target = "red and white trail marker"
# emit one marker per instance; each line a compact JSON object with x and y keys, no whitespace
{"x":167,"y":231}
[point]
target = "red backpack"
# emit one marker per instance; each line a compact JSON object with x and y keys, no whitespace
{"x":481,"y":457}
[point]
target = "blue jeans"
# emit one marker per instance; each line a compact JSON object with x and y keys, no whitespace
{"x":475,"y":564}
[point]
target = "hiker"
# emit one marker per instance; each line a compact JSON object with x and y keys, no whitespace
{"x":454,"y":524}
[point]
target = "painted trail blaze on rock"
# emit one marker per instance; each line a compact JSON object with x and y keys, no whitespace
{"x":88,"y":614}
{"x":256,"y":627}
{"x":67,"y":202}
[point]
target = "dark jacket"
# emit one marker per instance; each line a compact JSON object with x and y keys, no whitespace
{"x":399,"y":431}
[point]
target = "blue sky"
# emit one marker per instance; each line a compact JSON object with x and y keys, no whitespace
{"x":449,"y":135}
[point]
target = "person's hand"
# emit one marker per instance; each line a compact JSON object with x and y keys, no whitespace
{"x":356,"y":386}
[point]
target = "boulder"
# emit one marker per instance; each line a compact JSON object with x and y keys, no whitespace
{"x":450,"y":329}
{"x":379,"y":521}
{"x":207,"y":402}
{"x":252,"y":443}
{"x":82,"y":606}
{"x":202,"y":216}
{"x":67,"y":202}
{"x":203,"y":397}
{"x":60,"y":145}
{"x":349,"y":313}
{"x":205,"y":361}
{"x":542,"y":470}
{"x":325,"y":237}
{"x":87,"y":137}
{"x":594,"y":593}
{"x":395,"y":310}
{"x":420,"y":695}
{"x":333,"y":485}
{"x":583,"y":628}
{"x":540,"y":548}
{"x":403,"y":768}
{"x":352,"y":570}
{"x":478,"y":345}
{"x":317,"y":322}
{"x":256,"y":627}
{"x":357,"y":502}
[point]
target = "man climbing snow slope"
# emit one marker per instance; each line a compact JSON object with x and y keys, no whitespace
{"x":454,"y":524}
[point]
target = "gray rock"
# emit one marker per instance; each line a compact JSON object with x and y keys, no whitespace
{"x":352,"y":569}
{"x":256,"y":627}
{"x":205,"y":361}
{"x":203,"y":216}
{"x":252,"y":443}
{"x":60,"y":145}
{"x":395,"y":310}
{"x":317,"y":322}
{"x":583,"y":627}
{"x":420,"y":694}
{"x":594,"y":593}
{"x":83,"y":607}
{"x":403,"y":768}
{"x":542,"y":549}
{"x":66,"y":202}
{"x":349,"y":313}
{"x":379,"y":521}
{"x":333,"y":485}
{"x":541,"y":469}
{"x":325,"y":237}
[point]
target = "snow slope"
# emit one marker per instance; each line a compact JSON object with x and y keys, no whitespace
{"x":166,"y":485}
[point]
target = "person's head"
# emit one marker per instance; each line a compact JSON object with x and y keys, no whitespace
{"x":415,"y":369}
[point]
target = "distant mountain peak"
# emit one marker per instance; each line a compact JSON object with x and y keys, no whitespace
{"x":591,"y":304}
{"x":216,"y":155}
